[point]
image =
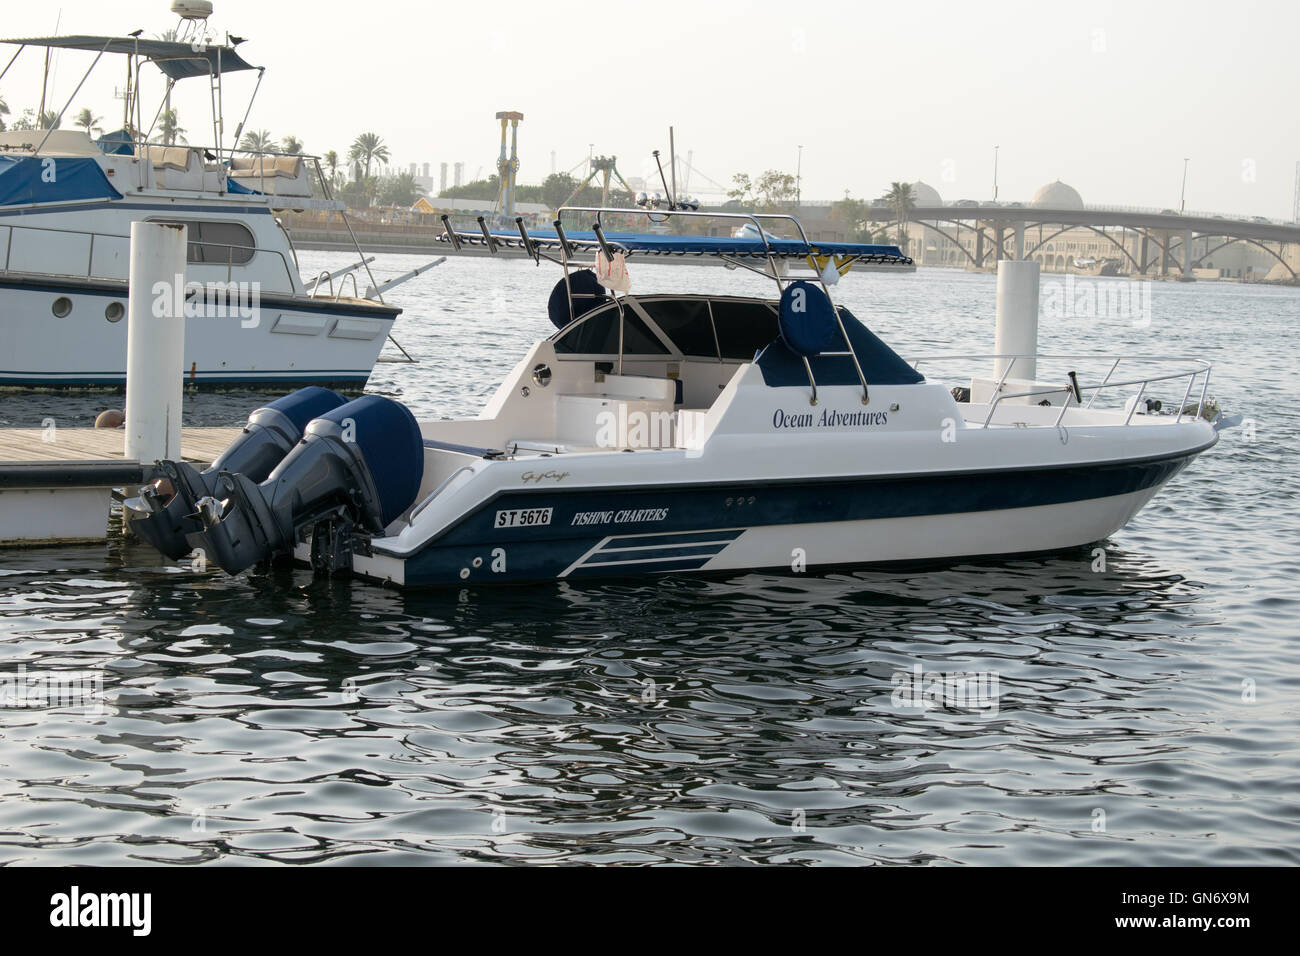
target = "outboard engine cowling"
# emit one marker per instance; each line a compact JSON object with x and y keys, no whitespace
{"x":164,"y":511}
{"x":357,"y":468}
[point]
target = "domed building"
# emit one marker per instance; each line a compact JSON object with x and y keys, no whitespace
{"x":926,"y":195}
{"x":1057,"y":195}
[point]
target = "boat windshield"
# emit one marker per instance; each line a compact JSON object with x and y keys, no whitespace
{"x":720,"y":328}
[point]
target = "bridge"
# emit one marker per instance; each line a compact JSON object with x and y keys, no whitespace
{"x":1149,"y":241}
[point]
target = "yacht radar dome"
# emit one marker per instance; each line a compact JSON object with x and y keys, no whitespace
{"x":192,"y":9}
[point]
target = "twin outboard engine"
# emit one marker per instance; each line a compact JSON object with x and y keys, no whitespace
{"x":357,"y":468}
{"x":163,"y":514}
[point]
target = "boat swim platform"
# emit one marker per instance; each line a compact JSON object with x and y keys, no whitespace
{"x":56,"y":484}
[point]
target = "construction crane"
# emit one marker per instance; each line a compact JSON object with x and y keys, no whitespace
{"x":606,"y":167}
{"x":508,"y":168}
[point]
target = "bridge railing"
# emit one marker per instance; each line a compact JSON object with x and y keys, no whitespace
{"x":1089,"y":207}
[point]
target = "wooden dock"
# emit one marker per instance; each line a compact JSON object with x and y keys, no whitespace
{"x":56,"y":484}
{"x":19,"y":445}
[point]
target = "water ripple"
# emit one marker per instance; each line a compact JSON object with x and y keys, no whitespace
{"x":1145,"y":713}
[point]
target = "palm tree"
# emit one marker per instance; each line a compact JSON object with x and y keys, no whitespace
{"x":291,"y":144}
{"x":332,"y":164}
{"x":258,"y":141}
{"x":366,"y":148}
{"x":88,"y":121}
{"x":4,"y":111}
{"x":169,"y":129}
{"x":400,"y":190}
{"x":902,"y":200}
{"x":48,"y":120}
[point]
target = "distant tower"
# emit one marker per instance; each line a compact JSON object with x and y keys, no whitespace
{"x":508,"y":167}
{"x":458,"y":171}
{"x":412,"y":170}
{"x":1295,"y":202}
{"x":552,"y":162}
{"x":442,"y":178}
{"x":426,"y":170}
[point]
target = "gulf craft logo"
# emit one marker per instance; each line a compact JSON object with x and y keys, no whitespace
{"x":828,"y":418}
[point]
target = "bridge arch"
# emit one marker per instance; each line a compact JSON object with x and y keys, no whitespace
{"x":928,"y":224}
{"x":1254,"y":242}
{"x":1109,"y":238}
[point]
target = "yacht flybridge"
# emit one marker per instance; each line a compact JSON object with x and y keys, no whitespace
{"x":66,"y":206}
{"x":656,"y":433}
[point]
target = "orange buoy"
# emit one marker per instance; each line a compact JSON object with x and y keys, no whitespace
{"x":110,"y":418}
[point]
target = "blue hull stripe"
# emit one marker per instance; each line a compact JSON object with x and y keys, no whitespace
{"x":163,"y":206}
{"x":270,"y":377}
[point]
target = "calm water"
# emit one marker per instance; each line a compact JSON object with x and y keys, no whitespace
{"x":1146,"y":713}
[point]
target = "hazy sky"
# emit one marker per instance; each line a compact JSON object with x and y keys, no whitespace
{"x":1109,"y":97}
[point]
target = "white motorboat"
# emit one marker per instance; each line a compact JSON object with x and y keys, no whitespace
{"x":66,"y":207}
{"x":658,"y":434}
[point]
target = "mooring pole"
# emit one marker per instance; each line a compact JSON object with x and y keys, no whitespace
{"x":155,"y":341}
{"x":1017,"y":317}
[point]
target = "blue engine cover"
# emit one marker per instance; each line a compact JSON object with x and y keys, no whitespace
{"x":390,"y":442}
{"x":302,"y":406}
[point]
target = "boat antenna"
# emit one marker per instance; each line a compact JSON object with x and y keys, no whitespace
{"x":672,"y":200}
{"x":687,"y":204}
{"x":672,"y":167}
{"x":45,"y":75}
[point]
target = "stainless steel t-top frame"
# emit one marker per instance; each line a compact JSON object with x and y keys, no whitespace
{"x":567,"y":259}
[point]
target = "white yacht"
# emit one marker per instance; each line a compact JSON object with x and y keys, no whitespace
{"x":67,"y":202}
{"x":689,"y":433}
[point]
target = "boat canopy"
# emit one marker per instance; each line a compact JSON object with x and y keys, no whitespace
{"x":178,"y":61}
{"x":651,"y":244}
{"x":35,"y":179}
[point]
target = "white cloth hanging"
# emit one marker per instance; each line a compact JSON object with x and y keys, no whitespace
{"x":612,"y":273}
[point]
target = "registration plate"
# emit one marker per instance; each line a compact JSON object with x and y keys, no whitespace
{"x":524,"y":518}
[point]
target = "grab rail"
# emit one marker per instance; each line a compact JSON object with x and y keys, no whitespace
{"x":425,"y":501}
{"x":1200,"y":368}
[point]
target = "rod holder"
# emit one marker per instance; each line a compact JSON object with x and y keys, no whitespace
{"x":528,"y":243}
{"x":1074,"y":387}
{"x":564,"y":240}
{"x":451,"y":233}
{"x":488,"y":238}
{"x":604,"y":246}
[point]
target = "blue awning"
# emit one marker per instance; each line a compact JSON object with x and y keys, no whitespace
{"x":632,"y":243}
{"x":40,"y":179}
{"x":117,"y":143}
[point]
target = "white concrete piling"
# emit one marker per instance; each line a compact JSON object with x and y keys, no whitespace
{"x":1017,"y":317}
{"x":155,"y":337}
